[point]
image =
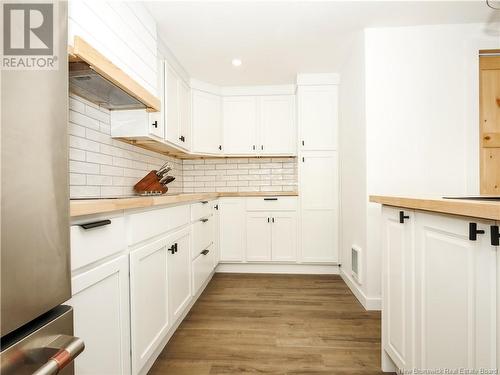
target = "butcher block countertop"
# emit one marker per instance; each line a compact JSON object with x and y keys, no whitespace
{"x":80,"y":207}
{"x":464,"y":207}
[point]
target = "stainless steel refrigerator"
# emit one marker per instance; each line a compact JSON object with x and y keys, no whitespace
{"x":36,"y":329}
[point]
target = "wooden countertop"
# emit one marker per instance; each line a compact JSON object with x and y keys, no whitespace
{"x":471,"y":208}
{"x":96,"y":206}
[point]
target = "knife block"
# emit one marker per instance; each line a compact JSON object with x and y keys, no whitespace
{"x":150,"y":185}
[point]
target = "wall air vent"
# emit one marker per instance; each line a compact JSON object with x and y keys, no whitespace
{"x":356,"y":263}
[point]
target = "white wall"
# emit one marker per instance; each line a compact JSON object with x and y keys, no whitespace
{"x":352,"y":142}
{"x":421,"y":108}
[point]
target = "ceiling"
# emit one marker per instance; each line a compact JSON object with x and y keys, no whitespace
{"x":277,"y":39}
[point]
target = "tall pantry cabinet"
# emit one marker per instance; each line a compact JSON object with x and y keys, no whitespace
{"x":317,"y":98}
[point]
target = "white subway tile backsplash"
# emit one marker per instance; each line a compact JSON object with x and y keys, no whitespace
{"x":104,"y":167}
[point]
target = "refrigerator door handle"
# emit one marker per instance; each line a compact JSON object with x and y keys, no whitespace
{"x":68,"y":348}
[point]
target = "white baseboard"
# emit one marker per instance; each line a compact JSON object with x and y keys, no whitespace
{"x":369,"y":303}
{"x":172,"y":330}
{"x":305,"y":269}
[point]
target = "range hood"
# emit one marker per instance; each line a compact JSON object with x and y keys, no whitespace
{"x":95,"y":78}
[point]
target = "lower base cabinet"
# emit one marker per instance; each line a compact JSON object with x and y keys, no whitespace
{"x":101,"y":318}
{"x":439,"y":291}
{"x":149,"y":292}
{"x":179,"y":272}
{"x":203,"y":265}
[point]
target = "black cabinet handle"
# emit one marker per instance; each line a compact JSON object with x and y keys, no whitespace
{"x":204,"y":202}
{"x":96,"y":224}
{"x":303,"y":159}
{"x":473,"y":231}
{"x":216,"y":207}
{"x":205,"y":252}
{"x":262,"y":147}
{"x":182,"y":138}
{"x":273,"y":219}
{"x":495,"y":235}
{"x":402,"y":217}
{"x":172,"y":249}
{"x":155,"y":124}
{"x":220,"y":147}
{"x":175,"y":247}
{"x":253,"y":147}
{"x":270,"y":199}
{"x":204,"y":220}
{"x":268,"y":220}
{"x":303,"y":143}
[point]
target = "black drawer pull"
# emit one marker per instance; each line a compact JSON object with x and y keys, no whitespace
{"x":270,"y":199}
{"x":96,"y":224}
{"x":203,"y":220}
{"x":204,"y":202}
{"x":473,"y":231}
{"x":495,"y":235}
{"x":172,"y":249}
{"x":205,"y":252}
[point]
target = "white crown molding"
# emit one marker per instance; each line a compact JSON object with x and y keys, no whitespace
{"x":318,"y":79}
{"x":259,"y":90}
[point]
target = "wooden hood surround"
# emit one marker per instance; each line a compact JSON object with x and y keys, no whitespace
{"x":83,"y":51}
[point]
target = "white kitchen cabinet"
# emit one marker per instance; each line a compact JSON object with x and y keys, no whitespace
{"x":100,"y":300}
{"x":277,"y":125}
{"x":240,"y":125}
{"x":216,"y":236}
{"x":178,"y":109}
{"x":258,"y":230}
{"x":318,"y":184}
{"x":149,"y":300}
{"x":271,"y":236}
{"x":137,"y":123}
{"x":455,"y":294}
{"x":207,"y":124}
{"x":203,"y":266}
{"x":232,"y":229}
{"x":397,"y":283}
{"x":284,"y":236}
{"x":318,"y":117}
{"x":179,"y":272}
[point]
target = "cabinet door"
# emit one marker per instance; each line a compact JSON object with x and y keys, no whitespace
{"x":207,"y":131}
{"x":277,"y":125}
{"x":232,"y":229}
{"x":258,"y":236}
{"x":184,"y":114}
{"x":284,"y":236}
{"x":455,"y":291}
{"x":156,"y":124}
{"x":148,"y":300}
{"x":397,"y":284}
{"x":101,"y":304}
{"x":240,"y":125}
{"x":318,"y":117}
{"x":319,"y":206}
{"x":216,"y":245}
{"x":172,"y":115}
{"x":179,"y":273}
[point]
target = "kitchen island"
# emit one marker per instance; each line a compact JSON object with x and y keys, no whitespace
{"x":440,"y":287}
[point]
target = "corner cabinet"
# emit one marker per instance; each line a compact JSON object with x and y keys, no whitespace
{"x":439,"y":291}
{"x":207,"y":125}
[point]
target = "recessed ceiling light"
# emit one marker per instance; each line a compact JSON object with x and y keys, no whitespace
{"x":236,"y":62}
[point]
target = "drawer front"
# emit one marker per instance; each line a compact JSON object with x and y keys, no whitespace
{"x":272,"y":203}
{"x":203,"y":266}
{"x":201,"y":209}
{"x":203,"y":235}
{"x":102,"y":238}
{"x":148,"y":224}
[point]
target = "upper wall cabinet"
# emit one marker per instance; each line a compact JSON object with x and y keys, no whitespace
{"x":207,"y":126}
{"x":177,"y":109}
{"x":259,"y":125}
{"x":124,"y":32}
{"x":318,"y":117}
{"x":240,"y":125}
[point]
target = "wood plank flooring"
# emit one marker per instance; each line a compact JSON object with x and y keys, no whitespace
{"x":274,"y":324}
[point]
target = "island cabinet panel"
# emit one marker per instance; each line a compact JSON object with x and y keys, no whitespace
{"x":398,"y":305}
{"x":439,"y":290}
{"x":455,"y":294}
